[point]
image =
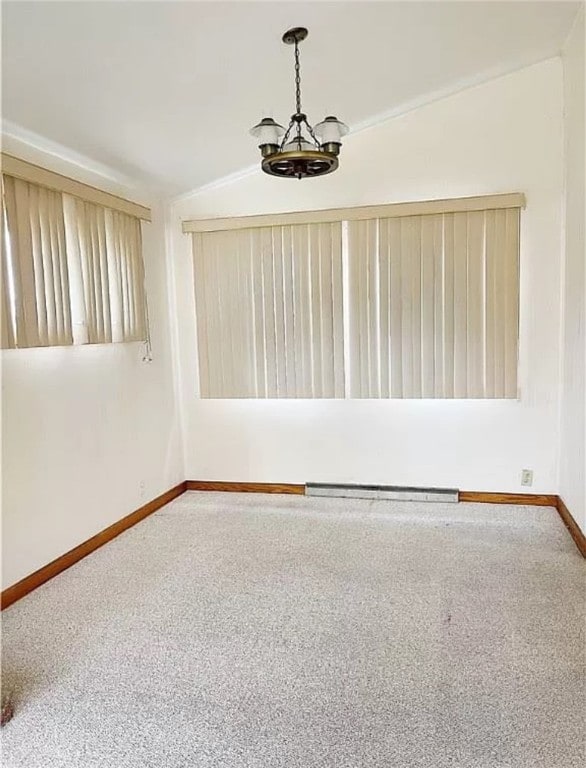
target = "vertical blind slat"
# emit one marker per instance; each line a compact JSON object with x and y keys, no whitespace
{"x":370,"y":373}
{"x":354,"y":299}
{"x":219,"y":335}
{"x":7,"y":337}
{"x":416,"y":271}
{"x":259,"y":339}
{"x":337,"y":299}
{"x":269,"y":311}
{"x":35,"y":266}
{"x":243,"y":350}
{"x":383,"y":267}
{"x":215,"y":377}
{"x":406,"y":286}
{"x":301,"y":311}
{"x":427,"y":306}
{"x":288,"y":312}
{"x":448,"y":307}
{"x":315,"y":311}
{"x":326,"y":325}
{"x":474,"y":329}
{"x":512,"y":301}
{"x":224,"y":287}
{"x":395,"y":311}
{"x":279,"y":309}
{"x":200,"y":284}
{"x":51,"y":272}
{"x":40,"y":246}
{"x":438,"y":303}
{"x":498,"y":254}
{"x":460,"y":243}
{"x":363,"y":308}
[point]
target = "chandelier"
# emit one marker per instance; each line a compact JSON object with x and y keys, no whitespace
{"x":299,"y":153}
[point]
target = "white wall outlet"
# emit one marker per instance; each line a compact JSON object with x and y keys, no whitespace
{"x":526,"y":477}
{"x":141,"y":488}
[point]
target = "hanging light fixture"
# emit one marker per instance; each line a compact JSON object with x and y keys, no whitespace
{"x":297,"y":152}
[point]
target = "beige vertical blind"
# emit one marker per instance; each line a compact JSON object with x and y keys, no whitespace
{"x":269,"y":311}
{"x":434,"y":302}
{"x":7,"y":320}
{"x":107,"y":274}
{"x":34,"y":267}
{"x":72,"y":270}
{"x":86,"y":245}
{"x":126,"y":270}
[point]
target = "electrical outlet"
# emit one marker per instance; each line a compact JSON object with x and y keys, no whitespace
{"x":526,"y":477}
{"x":141,"y":488}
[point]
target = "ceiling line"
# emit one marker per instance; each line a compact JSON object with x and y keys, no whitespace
{"x":376,"y":120}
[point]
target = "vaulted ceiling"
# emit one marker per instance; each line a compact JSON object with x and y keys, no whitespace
{"x":165,"y":92}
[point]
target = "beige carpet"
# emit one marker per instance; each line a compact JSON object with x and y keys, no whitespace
{"x":248,"y":631}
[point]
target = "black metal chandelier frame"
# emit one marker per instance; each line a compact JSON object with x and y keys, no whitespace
{"x":298,"y":155}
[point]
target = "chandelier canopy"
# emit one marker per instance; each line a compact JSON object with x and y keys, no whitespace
{"x":300,"y":151}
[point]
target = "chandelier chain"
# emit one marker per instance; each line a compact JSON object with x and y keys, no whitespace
{"x":297,"y":79}
{"x":298,"y":92}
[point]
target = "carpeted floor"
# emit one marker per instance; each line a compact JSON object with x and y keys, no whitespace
{"x":248,"y":631}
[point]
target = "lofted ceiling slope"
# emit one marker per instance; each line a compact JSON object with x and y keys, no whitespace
{"x":165,"y":92}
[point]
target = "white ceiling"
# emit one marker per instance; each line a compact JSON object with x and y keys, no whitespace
{"x":165,"y":92}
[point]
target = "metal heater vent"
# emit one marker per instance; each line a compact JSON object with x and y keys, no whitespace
{"x":388,"y":492}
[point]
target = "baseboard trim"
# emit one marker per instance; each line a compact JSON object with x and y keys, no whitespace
{"x":532,"y":499}
{"x":29,"y":583}
{"x":213,"y":485}
{"x":572,"y":526}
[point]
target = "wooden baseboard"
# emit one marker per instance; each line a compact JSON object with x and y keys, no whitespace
{"x":532,"y":499}
{"x":213,"y":485}
{"x":26,"y":585}
{"x":572,"y":526}
{"x":29,"y":583}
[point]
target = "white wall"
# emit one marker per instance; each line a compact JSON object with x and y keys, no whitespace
{"x":83,"y":427}
{"x":572,"y":485}
{"x":502,"y":136}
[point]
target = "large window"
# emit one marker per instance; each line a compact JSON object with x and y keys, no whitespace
{"x":416,"y":300}
{"x":72,"y":268}
{"x":433,"y":308}
{"x":269,"y":311}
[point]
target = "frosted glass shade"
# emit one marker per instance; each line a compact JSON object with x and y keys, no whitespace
{"x":331,"y":130}
{"x":293,"y":146}
{"x":267,"y":131}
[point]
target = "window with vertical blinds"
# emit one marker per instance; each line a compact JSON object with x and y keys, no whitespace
{"x":107,"y":276}
{"x":269,"y":311}
{"x":72,"y":269}
{"x":35,"y":277}
{"x":434,"y":304}
{"x":412,"y":300}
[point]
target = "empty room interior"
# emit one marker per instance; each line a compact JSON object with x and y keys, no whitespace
{"x":293,"y":384}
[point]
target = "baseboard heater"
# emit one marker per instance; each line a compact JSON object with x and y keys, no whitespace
{"x":388,"y":492}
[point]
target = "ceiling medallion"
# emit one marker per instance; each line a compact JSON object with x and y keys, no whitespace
{"x":299,"y":153}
